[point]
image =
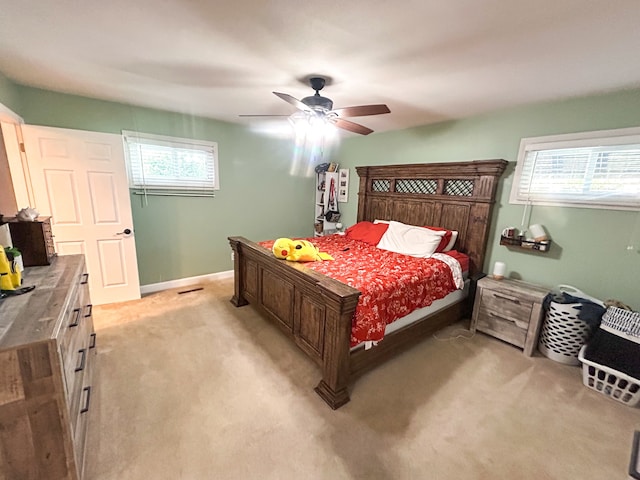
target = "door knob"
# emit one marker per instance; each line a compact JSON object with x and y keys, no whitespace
{"x":126,"y":231}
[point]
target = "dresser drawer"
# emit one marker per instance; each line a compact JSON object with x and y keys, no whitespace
{"x":81,"y":420}
{"x":75,"y":340}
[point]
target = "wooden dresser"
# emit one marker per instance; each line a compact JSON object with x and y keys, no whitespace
{"x":510,"y":310}
{"x":47,"y":353}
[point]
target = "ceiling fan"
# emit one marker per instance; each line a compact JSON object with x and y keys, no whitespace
{"x":317,"y":106}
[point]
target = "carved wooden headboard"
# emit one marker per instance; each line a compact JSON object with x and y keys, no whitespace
{"x":456,"y":195}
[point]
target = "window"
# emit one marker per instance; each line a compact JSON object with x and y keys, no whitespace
{"x":168,"y":165}
{"x":592,"y":169}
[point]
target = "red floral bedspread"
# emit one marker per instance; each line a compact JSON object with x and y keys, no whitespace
{"x":392,"y":285}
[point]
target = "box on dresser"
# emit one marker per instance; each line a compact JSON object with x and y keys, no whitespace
{"x":33,"y":239}
{"x":47,"y":355}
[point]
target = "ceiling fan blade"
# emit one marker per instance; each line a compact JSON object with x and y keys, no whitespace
{"x":351,"y":126}
{"x":362,"y":110}
{"x":294,"y":101}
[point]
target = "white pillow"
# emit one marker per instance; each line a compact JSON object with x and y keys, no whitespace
{"x":452,"y":242}
{"x":410,"y":240}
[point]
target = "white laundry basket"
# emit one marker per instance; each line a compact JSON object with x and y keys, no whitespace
{"x":606,"y":379}
{"x":563,"y":333}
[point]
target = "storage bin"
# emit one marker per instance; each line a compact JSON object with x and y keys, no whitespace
{"x":610,"y":382}
{"x":622,"y":322}
{"x":563,"y":333}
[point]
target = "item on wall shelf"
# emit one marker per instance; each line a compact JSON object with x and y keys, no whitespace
{"x":510,"y":232}
{"x":538,"y":233}
{"x":343,"y":185}
{"x":499,"y":270}
{"x":333,"y":215}
{"x":322,"y":167}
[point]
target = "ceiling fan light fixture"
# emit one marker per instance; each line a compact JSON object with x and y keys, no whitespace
{"x":316,"y":109}
{"x":311,"y":126}
{"x":318,"y":101}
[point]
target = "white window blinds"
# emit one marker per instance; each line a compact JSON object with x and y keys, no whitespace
{"x":597,"y":170}
{"x":173,"y":164}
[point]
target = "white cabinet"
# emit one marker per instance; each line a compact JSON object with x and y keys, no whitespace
{"x":322,"y":203}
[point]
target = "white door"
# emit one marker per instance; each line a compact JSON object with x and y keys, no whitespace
{"x":79,"y":178}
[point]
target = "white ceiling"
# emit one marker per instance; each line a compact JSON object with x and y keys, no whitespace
{"x":428,"y":60}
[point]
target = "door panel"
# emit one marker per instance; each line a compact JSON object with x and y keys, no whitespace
{"x":70,"y":248}
{"x":112,"y":262}
{"x":101,"y":185}
{"x":62,"y":196}
{"x":80,"y":179}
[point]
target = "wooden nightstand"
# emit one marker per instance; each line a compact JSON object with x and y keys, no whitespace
{"x":510,"y":310}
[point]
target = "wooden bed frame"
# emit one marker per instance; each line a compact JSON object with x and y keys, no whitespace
{"x":316,"y":311}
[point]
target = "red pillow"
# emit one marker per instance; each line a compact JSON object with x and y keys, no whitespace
{"x":446,"y":238}
{"x":368,"y":232}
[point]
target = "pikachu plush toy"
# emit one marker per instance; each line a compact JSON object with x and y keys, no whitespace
{"x":298,"y":251}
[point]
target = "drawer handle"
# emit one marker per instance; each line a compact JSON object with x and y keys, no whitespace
{"x":83,"y":358}
{"x":506,"y":297}
{"x":495,"y":315}
{"x":518,"y":324}
{"x":90,"y":307}
{"x":85,"y":409}
{"x":85,"y":279}
{"x":92,"y":344}
{"x":76,"y":320}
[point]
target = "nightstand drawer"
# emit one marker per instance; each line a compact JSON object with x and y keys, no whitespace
{"x":502,"y":327}
{"x":507,"y":306}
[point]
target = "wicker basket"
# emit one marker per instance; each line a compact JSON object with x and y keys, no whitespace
{"x":622,"y":321}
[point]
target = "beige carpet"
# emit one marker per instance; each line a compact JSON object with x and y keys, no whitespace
{"x":190,"y":387}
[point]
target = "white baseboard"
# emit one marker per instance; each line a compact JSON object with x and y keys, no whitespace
{"x":183,"y":282}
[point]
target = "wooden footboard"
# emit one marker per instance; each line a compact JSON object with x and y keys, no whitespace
{"x":312,"y":309}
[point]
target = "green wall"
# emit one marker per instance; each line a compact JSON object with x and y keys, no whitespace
{"x":589,"y":248}
{"x":178,"y":237}
{"x":9,"y":96}
{"x":260,"y":199}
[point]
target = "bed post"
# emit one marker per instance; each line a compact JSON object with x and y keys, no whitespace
{"x":363,"y":173}
{"x":238,"y":281}
{"x":336,"y":359}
